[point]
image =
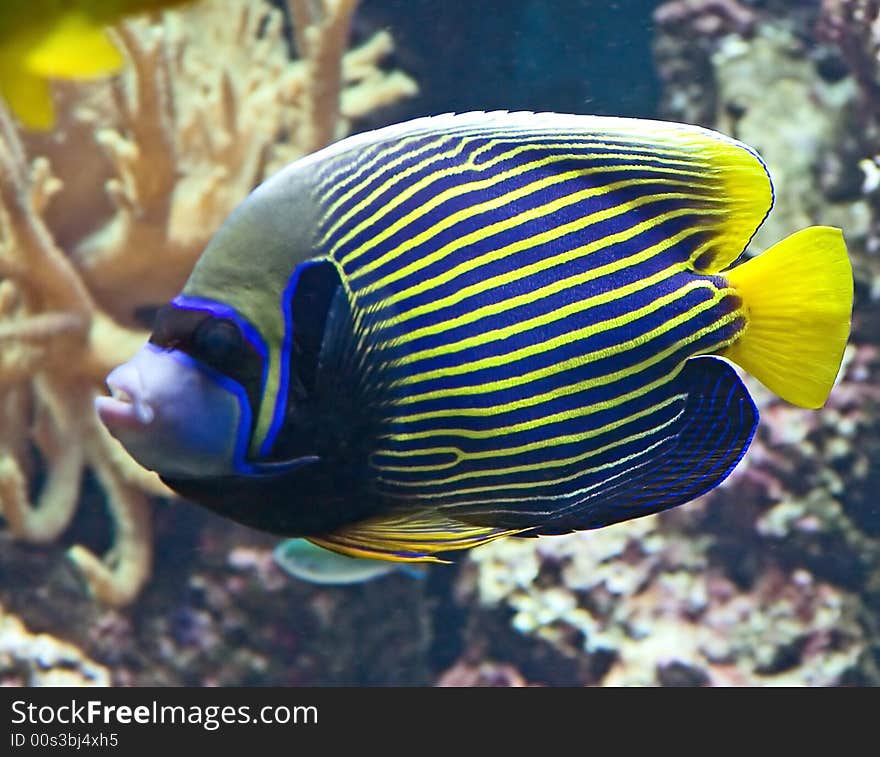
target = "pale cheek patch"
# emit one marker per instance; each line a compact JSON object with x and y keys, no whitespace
{"x":184,"y":421}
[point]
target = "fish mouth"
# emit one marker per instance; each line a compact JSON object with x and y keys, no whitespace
{"x":126,"y":407}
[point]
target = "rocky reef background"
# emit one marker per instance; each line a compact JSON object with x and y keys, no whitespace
{"x":773,"y":579}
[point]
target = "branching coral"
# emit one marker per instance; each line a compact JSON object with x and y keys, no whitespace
{"x":57,"y":340}
{"x":107,"y":215}
{"x":178,"y":141}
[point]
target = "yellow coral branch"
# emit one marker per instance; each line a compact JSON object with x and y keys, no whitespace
{"x":118,"y":578}
{"x":57,"y":500}
{"x":322,"y":30}
{"x":42,"y":267}
{"x":43,"y":327}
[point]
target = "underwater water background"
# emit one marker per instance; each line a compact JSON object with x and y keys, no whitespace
{"x":771,"y":580}
{"x":568,"y":56}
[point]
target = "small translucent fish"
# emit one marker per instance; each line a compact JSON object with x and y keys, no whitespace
{"x":309,"y":562}
{"x":64,"y":39}
{"x":476,"y":326}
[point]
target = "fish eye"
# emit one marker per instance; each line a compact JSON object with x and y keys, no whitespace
{"x":216,"y":341}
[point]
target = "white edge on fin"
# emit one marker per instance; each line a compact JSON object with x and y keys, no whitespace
{"x":526,"y":120}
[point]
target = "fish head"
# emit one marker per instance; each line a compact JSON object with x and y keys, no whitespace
{"x":189,"y":405}
{"x":235,"y":402}
{"x":183,"y":405}
{"x":208,"y":396}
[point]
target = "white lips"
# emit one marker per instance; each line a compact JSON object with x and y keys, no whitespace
{"x":172,"y":416}
{"x":126,"y":406}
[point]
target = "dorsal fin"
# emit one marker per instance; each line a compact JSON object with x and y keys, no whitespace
{"x":723,"y":183}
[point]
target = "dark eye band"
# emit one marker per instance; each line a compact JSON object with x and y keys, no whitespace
{"x":217,"y":342}
{"x":214,"y":341}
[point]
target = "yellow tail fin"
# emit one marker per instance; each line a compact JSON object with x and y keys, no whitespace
{"x":798,"y":300}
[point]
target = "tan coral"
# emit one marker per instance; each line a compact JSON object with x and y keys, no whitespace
{"x":170,"y":146}
{"x":70,"y":344}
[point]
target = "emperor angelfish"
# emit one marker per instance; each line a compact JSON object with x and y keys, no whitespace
{"x":466,"y":327}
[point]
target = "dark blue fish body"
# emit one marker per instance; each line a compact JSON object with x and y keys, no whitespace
{"x":475,"y":326}
{"x":511,"y":358}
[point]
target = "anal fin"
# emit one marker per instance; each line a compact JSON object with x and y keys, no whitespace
{"x":408,"y":537}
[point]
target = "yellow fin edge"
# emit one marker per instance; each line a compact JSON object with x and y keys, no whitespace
{"x":408,"y":538}
{"x":748,"y":198}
